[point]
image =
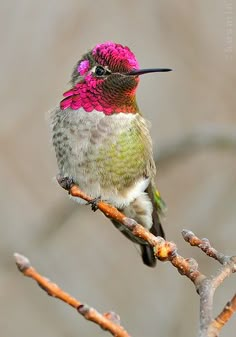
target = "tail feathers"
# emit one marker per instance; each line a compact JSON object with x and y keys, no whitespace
{"x":148,"y":255}
{"x":146,"y":250}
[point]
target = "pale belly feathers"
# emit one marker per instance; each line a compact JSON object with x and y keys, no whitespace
{"x":81,"y":141}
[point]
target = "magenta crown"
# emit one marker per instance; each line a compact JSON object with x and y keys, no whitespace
{"x":117,"y":57}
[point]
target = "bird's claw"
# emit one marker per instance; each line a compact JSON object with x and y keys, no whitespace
{"x":65,"y":182}
{"x":94,"y":203}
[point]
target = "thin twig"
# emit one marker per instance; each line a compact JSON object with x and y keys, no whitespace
{"x":206,"y":288}
{"x":107,"y":321}
{"x":225,"y":315}
{"x":205,"y":246}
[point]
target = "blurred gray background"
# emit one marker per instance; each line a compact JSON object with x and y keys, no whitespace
{"x":81,"y":250}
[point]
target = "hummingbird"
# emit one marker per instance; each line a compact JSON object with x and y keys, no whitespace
{"x":102,"y":141}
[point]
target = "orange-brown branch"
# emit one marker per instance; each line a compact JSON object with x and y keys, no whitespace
{"x":225,"y":315}
{"x":105,"y":321}
{"x":108,"y":210}
{"x":164,"y":250}
{"x":205,"y":246}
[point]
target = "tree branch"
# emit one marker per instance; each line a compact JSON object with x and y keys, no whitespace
{"x":108,"y":321}
{"x":164,"y":251}
{"x":225,"y":315}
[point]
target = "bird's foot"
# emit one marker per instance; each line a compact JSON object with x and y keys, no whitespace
{"x":94,"y":203}
{"x":65,"y":182}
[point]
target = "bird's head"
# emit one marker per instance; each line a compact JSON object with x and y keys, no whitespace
{"x":106,"y":79}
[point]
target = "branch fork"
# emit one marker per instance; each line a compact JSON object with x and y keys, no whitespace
{"x":164,"y":251}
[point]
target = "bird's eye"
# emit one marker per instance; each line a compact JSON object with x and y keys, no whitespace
{"x":100,"y":71}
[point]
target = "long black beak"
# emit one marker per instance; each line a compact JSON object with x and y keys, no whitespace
{"x":137,"y":72}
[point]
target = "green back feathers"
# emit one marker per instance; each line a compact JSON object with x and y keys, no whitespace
{"x":160,"y":203}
